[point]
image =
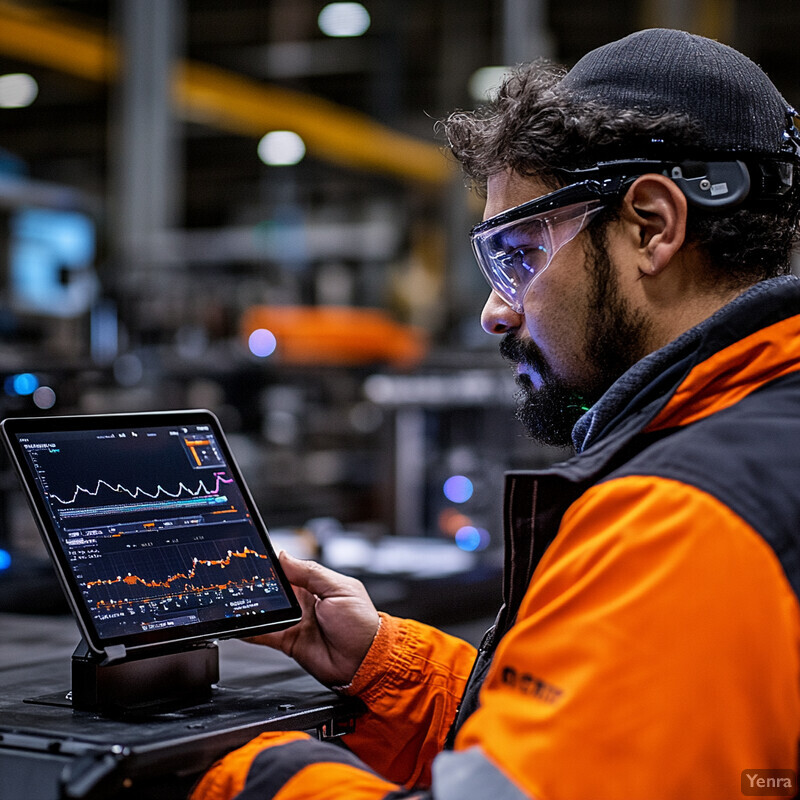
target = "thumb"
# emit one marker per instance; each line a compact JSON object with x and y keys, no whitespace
{"x":315,"y":578}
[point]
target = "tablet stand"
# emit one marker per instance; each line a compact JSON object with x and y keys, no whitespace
{"x":118,"y":683}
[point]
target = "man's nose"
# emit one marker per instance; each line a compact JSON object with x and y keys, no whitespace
{"x":498,"y":317}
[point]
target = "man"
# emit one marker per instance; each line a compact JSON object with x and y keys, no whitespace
{"x":640,"y":212}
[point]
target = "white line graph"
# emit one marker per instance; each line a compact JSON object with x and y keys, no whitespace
{"x":134,"y":494}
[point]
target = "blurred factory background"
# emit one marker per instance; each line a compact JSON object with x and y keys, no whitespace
{"x":242,"y":205}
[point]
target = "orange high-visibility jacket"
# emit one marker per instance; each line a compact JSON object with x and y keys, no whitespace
{"x":649,"y":644}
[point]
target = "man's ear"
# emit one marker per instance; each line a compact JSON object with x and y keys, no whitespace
{"x":655,"y":209}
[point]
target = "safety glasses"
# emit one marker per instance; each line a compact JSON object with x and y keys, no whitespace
{"x":514,"y":248}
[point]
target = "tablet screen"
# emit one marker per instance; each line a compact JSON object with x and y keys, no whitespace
{"x":151,"y":526}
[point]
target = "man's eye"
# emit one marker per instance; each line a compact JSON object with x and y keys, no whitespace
{"x":528,"y":258}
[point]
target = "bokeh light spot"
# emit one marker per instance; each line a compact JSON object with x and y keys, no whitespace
{"x":470,"y":538}
{"x":344,"y":19}
{"x":262,"y":343}
{"x":44,"y":397}
{"x":458,"y":489}
{"x":17,"y":90}
{"x":281,"y":148}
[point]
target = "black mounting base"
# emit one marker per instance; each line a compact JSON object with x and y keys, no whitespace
{"x":138,"y":684}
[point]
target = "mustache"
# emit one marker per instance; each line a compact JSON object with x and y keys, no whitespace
{"x":522,"y":352}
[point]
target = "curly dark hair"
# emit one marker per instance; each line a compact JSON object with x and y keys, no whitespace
{"x":531,"y":128}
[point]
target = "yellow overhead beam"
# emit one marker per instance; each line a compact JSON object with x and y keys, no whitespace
{"x":229,"y":102}
{"x":226,"y":100}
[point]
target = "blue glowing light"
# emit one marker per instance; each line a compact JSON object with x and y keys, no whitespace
{"x":458,"y":489}
{"x":21,"y":384}
{"x":470,"y":538}
{"x":262,"y":342}
{"x":26,"y":383}
{"x":5,"y":560}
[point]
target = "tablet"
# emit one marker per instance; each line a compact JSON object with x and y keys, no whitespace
{"x":153,"y":532}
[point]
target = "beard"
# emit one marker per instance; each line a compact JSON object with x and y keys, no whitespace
{"x":550,"y":412}
{"x":613,"y":340}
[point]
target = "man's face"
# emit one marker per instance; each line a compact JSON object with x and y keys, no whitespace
{"x":578,"y":331}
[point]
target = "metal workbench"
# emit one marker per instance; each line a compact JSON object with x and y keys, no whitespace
{"x":48,"y":750}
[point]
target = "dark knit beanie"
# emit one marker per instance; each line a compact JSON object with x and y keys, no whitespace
{"x":655,"y":71}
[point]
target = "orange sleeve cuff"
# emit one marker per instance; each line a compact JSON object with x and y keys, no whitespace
{"x":378,"y":657}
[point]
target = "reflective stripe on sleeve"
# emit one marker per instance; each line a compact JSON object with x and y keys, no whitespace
{"x":468,"y":773}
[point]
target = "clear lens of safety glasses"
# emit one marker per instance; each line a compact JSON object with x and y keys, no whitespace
{"x":513,"y":254}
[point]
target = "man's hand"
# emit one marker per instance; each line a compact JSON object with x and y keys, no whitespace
{"x":338,"y":625}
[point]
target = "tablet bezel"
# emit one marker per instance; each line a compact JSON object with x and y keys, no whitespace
{"x":159,"y":640}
